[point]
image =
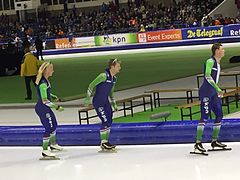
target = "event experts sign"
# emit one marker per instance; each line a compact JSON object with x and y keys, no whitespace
{"x":158,"y":36}
{"x":115,"y":39}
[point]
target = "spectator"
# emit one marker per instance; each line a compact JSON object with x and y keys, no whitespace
{"x":237,"y":2}
{"x":65,"y":6}
{"x":39,"y":47}
{"x":142,"y":29}
{"x":29,"y":70}
{"x":26,"y":44}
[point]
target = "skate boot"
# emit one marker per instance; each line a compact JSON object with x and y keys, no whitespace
{"x":110,"y":145}
{"x":56,"y":147}
{"x":199,"y":149}
{"x":107,"y":147}
{"x":218,"y":145}
{"x":47,"y":153}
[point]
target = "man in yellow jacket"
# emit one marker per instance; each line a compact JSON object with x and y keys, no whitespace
{"x":29,"y":70}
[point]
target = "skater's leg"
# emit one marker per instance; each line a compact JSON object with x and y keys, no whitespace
{"x":205,"y":112}
{"x":103,"y":134}
{"x":53,"y":144}
{"x":47,"y":123}
{"x":200,"y":129}
{"x":103,"y":113}
{"x":109,"y":113}
{"x":104,"y":125}
{"x":53,"y":137}
{"x":53,"y":141}
{"x":45,"y":141}
{"x":53,"y":128}
{"x":217,"y":109}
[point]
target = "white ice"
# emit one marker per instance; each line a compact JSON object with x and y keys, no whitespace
{"x":142,"y":162}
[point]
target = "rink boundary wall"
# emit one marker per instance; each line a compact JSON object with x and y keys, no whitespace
{"x":144,"y":46}
{"x":121,"y":133}
{"x":150,"y":39}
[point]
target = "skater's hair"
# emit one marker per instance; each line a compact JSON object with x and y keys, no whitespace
{"x":40,"y":71}
{"x":215,"y":46}
{"x":113,"y":62}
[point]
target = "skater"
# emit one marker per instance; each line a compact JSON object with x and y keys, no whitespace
{"x":210,"y":96}
{"x":104,"y":83}
{"x":43,"y":109}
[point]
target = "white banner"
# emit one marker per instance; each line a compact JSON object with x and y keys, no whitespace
{"x":85,"y":42}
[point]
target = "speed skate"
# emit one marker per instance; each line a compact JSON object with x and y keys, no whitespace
{"x":113,"y":150}
{"x":200,"y":153}
{"x":218,"y":146}
{"x":108,"y":149}
{"x":199,"y":149}
{"x":48,"y":155}
{"x":49,"y":158}
{"x":220,"y":149}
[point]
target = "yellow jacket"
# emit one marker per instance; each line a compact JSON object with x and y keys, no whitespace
{"x":30,"y":65}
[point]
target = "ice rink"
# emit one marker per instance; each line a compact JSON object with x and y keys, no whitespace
{"x":148,"y":162}
{"x":131,"y":162}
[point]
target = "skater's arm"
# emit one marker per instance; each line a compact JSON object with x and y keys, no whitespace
{"x":209,"y":65}
{"x":55,"y":98}
{"x":112,"y":92}
{"x":45,"y":100}
{"x":100,"y":78}
{"x":114,"y":104}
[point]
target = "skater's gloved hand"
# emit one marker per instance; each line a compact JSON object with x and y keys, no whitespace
{"x":60,"y":108}
{"x":87,"y":101}
{"x":115,"y":107}
{"x":55,"y":98}
{"x":220,"y":94}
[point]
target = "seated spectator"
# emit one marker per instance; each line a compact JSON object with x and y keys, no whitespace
{"x":142,"y":29}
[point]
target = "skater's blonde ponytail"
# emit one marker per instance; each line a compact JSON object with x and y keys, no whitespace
{"x":40,"y":71}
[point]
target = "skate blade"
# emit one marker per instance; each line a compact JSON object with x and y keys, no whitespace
{"x":220,"y":149}
{"x":49,"y":158}
{"x":56,"y":150}
{"x":108,"y":151}
{"x":199,"y":153}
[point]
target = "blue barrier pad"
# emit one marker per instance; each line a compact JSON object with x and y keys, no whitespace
{"x":121,"y":133}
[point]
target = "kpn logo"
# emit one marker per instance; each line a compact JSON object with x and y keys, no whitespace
{"x":107,"y":40}
{"x":114,"y":40}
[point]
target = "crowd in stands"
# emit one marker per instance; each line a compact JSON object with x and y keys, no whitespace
{"x":138,"y":15}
